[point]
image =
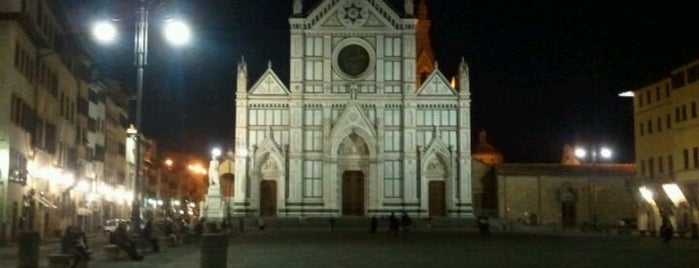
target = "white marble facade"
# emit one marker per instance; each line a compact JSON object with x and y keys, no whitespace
{"x":352,"y":133}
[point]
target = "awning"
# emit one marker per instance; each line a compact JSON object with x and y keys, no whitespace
{"x":45,"y":202}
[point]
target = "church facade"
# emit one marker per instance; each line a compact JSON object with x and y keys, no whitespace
{"x":367,"y":124}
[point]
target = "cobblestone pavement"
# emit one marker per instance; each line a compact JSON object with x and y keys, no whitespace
{"x":424,"y":248}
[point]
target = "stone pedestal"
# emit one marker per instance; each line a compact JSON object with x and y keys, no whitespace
{"x":213,"y":250}
{"x":214,"y":210}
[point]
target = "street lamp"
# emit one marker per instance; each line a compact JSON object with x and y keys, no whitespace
{"x":593,"y":154}
{"x":596,"y":153}
{"x":178,"y":33}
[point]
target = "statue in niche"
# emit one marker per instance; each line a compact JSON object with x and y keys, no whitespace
{"x":269,"y":165}
{"x":435,"y":167}
{"x":353,"y":145}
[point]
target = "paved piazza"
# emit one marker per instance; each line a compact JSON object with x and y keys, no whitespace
{"x":345,"y":248}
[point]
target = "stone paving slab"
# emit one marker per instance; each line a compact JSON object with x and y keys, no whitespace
{"x":430,"y":248}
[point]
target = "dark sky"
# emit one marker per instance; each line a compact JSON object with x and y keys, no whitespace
{"x":543,"y":73}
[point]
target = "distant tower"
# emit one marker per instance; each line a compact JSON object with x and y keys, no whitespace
{"x":425,"y":55}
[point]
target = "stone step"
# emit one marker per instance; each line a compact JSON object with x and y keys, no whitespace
{"x":348,"y":223}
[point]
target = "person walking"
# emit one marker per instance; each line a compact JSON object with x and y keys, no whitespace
{"x":483,"y":225}
{"x":666,"y":230}
{"x":393,"y":224}
{"x":150,"y":236}
{"x":374,"y":224}
{"x":406,"y":223}
{"x":332,"y":223}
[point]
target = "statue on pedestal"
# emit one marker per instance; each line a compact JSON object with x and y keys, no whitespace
{"x":213,"y":172}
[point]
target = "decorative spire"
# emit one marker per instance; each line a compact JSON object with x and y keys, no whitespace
{"x":298,"y":7}
{"x":269,"y":64}
{"x":242,"y":75}
{"x":422,"y":10}
{"x":409,"y":7}
{"x":242,"y":66}
{"x":464,"y":79}
{"x":463,"y":67}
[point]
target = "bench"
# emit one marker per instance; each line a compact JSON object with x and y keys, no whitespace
{"x":172,"y":241}
{"x":60,"y":260}
{"x":114,"y":253}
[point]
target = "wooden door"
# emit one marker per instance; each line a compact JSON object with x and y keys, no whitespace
{"x":437,"y":199}
{"x":353,"y":193}
{"x":268,"y":198}
{"x":568,"y":214}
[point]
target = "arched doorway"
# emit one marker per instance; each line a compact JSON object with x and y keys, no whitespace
{"x":268,"y":198}
{"x":568,"y":197}
{"x":436,"y":173}
{"x":352,"y":154}
{"x":269,"y":173}
{"x":353,"y":193}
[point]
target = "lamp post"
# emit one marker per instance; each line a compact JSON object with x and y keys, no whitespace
{"x":596,"y":153}
{"x":177,"y":33}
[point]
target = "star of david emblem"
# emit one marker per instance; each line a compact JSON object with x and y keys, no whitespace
{"x":353,"y":13}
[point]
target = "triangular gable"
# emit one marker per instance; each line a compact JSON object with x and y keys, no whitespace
{"x":436,"y":85}
{"x":353,"y":117}
{"x":269,"y":84}
{"x":336,"y":14}
{"x":439,"y":150}
{"x":268,"y":144}
{"x":436,"y":146}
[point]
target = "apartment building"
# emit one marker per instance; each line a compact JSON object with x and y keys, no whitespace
{"x":667,"y":150}
{"x":52,"y":128}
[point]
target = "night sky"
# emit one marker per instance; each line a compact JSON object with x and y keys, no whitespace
{"x":543,"y":73}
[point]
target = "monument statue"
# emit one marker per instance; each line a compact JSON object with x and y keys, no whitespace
{"x":213,"y":172}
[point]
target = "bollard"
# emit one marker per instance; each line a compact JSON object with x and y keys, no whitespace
{"x":28,"y":248}
{"x":214,"y":250}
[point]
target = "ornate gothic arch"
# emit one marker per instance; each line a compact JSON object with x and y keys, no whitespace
{"x":437,"y":153}
{"x":353,"y":121}
{"x":267,"y":151}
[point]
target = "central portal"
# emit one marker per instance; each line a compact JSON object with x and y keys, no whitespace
{"x":353,"y":193}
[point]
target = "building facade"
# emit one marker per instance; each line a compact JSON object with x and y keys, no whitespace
{"x":53,"y":125}
{"x":588,"y":196}
{"x":367,"y":124}
{"x":667,"y":150}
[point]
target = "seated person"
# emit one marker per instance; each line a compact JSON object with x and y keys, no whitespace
{"x":74,"y":243}
{"x":121,"y":239}
{"x":170,"y":232}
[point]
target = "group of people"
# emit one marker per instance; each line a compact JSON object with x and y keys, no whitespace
{"x":395,"y":224}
